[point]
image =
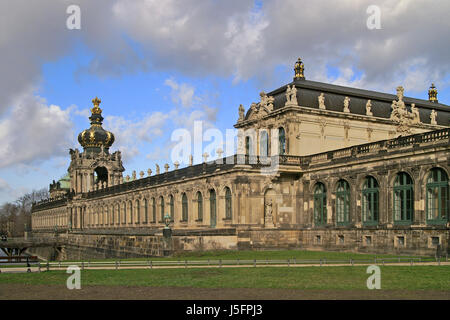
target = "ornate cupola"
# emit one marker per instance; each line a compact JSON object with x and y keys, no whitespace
{"x":299,"y":69}
{"x":432,"y":94}
{"x":96,"y":139}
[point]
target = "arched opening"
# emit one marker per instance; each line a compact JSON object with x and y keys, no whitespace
{"x":370,"y":201}
{"x":264,"y":144}
{"x":199,"y":206}
{"x":101,"y":175}
{"x":212,"y":208}
{"x":342,"y":202}
{"x":320,"y":204}
{"x":437,"y":202}
{"x":281,"y":141}
{"x":172,"y":208}
{"x":248,"y":146}
{"x":228,"y":208}
{"x":403,"y":198}
{"x":184,"y":208}
{"x":161,"y":206}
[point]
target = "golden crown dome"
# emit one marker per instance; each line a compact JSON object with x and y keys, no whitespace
{"x":94,"y":138}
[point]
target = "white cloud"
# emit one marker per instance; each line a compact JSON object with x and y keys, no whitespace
{"x":33,"y":131}
{"x":181,"y":93}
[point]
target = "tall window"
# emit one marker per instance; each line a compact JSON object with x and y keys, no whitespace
{"x":370,"y":201}
{"x":320,"y":204}
{"x":161,"y":201}
{"x":264,"y":144}
{"x":138,"y":211}
{"x":130,"y":212}
{"x":199,"y":206}
{"x":117,"y":213}
{"x":212,"y":207}
{"x":171,"y":208}
{"x":184,"y":207}
{"x":228,"y":212}
{"x":438,"y":202}
{"x":248,"y":146}
{"x":145,"y":211}
{"x":281,"y":141}
{"x":124,"y":212}
{"x":343,"y":202}
{"x":403,"y":198}
{"x":154,"y":209}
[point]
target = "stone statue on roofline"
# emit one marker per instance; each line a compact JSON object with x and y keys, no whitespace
{"x":321,"y":100}
{"x":241,"y":113}
{"x":369,"y":108}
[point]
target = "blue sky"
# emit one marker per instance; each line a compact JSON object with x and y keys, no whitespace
{"x":158,"y":66}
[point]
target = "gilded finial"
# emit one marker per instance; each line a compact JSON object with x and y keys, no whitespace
{"x":96,"y":109}
{"x":299,"y":69}
{"x":432,"y":94}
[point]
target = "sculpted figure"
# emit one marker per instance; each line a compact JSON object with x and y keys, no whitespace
{"x":321,"y":99}
{"x":263,"y":96}
{"x":291,"y":96}
{"x":369,"y":108}
{"x":415,"y":113}
{"x":270,"y":101}
{"x":157,"y":168}
{"x":346,"y":104}
{"x":433,"y":116}
{"x":241,"y":112}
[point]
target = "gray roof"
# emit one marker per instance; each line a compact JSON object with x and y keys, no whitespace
{"x":308,"y":92}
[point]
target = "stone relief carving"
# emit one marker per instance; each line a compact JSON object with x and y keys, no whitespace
{"x":400,"y":114}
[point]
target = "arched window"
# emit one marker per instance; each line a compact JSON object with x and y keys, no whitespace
{"x":199,"y":206}
{"x":228,"y":212}
{"x":117,"y":214}
{"x":264,"y":144}
{"x":124,"y":212}
{"x":111,"y":215}
{"x":138,"y":211}
{"x":130,"y":212}
{"x":145,"y":211}
{"x":184,"y":207}
{"x":172,"y":210}
{"x":154,"y":209}
{"x":281,"y":141}
{"x":370,"y":201}
{"x":105,"y":213}
{"x":437,"y":202}
{"x":320,"y":204}
{"x":343,"y":202}
{"x":161,"y":204}
{"x":403,"y":199}
{"x":212,"y":207}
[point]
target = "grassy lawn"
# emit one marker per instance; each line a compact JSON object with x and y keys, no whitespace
{"x":262,"y":255}
{"x":304,"y":278}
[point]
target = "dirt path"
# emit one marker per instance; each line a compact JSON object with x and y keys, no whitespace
{"x":52,"y":292}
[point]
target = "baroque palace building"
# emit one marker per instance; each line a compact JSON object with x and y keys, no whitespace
{"x":318,"y":166}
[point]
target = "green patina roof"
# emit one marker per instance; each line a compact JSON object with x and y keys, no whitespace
{"x":65,"y":181}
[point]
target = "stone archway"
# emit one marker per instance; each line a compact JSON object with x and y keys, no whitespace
{"x":101,"y":175}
